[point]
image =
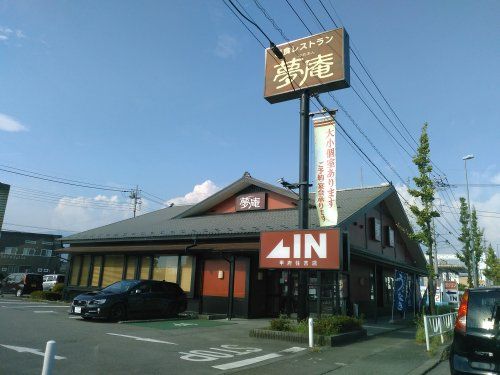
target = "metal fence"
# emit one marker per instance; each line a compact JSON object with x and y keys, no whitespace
{"x":437,"y":325}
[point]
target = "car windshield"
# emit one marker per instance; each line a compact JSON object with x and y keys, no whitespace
{"x":121,"y":286}
{"x":483,"y":310}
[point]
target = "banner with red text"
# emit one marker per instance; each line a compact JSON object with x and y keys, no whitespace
{"x":326,"y":170}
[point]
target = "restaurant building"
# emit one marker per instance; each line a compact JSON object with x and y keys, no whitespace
{"x":211,"y":249}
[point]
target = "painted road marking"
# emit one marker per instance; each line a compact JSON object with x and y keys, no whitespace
{"x":22,"y":349}
{"x":73,"y":317}
{"x":245,"y":362}
{"x":34,"y":306}
{"x":23,"y":303}
{"x":340,"y":364}
{"x":44,"y":312}
{"x":142,"y":339}
{"x":294,"y":349}
{"x":185,"y":324}
{"x":213,"y":354}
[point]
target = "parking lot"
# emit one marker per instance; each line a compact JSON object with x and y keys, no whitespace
{"x":175,"y":346}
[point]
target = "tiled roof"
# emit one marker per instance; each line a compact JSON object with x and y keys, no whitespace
{"x":172,"y":223}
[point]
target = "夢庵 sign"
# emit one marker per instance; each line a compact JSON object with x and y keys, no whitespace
{"x":251,"y":202}
{"x":316,"y":249}
{"x":318,"y":63}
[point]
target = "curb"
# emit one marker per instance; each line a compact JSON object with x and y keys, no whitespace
{"x":430,"y":364}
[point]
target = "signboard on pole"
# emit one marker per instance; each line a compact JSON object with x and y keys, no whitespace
{"x":318,"y":63}
{"x":451,"y":291}
{"x":326,"y":170}
{"x":313,"y":249}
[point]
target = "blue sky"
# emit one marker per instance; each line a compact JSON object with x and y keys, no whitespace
{"x":168,"y":95}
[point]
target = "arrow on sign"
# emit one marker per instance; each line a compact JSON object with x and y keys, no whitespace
{"x":22,"y":349}
{"x":280,"y":251}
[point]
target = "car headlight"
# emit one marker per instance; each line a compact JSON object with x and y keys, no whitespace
{"x":98,"y":301}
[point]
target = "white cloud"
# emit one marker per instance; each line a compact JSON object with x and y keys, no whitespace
{"x":496,"y":179}
{"x":7,"y":32}
{"x":9,"y":124}
{"x":199,"y":193}
{"x":226,"y":46}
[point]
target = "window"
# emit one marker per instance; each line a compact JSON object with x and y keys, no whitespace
{"x":47,"y":243}
{"x":46,"y":252}
{"x":131,"y":267}
{"x":113,"y":269}
{"x":43,"y":252}
{"x":19,"y":251}
{"x":145,"y":265}
{"x":26,"y":251}
{"x":165,"y":268}
{"x":96,"y":271}
{"x":36,"y":252}
{"x":376,"y":229}
{"x":31,"y":242}
{"x":10,"y":250}
{"x":85,"y":270}
{"x":75,"y":269}
{"x":389,"y":236}
{"x":186,"y":272}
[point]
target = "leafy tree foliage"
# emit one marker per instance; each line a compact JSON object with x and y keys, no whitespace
{"x":465,"y":254}
{"x":492,"y":271}
{"x":424,"y":213}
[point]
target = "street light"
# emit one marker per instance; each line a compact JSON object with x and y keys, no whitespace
{"x":474,"y":274}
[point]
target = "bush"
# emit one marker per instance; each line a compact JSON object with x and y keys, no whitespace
{"x":40,"y":294}
{"x":420,"y":334}
{"x":58,"y":288}
{"x":283,"y":323}
{"x":335,"y":324}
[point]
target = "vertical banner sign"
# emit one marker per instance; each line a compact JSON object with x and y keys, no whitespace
{"x":400,"y":281}
{"x":326,"y":170}
{"x":410,"y":287}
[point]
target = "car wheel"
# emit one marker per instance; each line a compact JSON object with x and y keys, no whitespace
{"x":117,"y":313}
{"x":19,"y":293}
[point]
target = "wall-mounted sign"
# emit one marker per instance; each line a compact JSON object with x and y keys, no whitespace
{"x":251,"y":202}
{"x":316,"y":249}
{"x":318,"y":63}
{"x":326,"y":170}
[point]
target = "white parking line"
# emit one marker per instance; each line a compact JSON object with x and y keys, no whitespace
{"x":34,"y":306}
{"x":246,"y":362}
{"x":142,"y":339}
{"x":294,"y":349}
{"x":44,"y":312}
{"x":22,"y":303}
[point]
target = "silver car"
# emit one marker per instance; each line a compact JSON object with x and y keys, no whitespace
{"x":50,"y":280}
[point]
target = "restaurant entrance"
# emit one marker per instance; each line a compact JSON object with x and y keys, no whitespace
{"x":323,"y":295}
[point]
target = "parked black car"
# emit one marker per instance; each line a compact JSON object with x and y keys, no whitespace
{"x":22,"y":283}
{"x":131,"y":298}
{"x":476,"y":340}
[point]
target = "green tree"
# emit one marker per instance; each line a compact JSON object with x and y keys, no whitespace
{"x":492,"y":270}
{"x":465,"y":254}
{"x":477,"y":242}
{"x":424,"y":212}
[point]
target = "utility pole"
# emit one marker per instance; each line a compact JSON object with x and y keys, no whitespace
{"x":134,"y":194}
{"x":474,"y":273}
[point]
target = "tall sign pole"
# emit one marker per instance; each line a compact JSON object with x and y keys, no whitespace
{"x":315,"y":64}
{"x":303,"y":195}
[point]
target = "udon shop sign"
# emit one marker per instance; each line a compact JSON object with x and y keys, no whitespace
{"x":313,"y":249}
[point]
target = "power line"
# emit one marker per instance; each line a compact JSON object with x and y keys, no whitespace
{"x":33,"y":226}
{"x":59,"y":180}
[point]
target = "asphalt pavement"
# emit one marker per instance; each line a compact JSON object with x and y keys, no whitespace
{"x":184,"y":346}
{"x":93,"y":347}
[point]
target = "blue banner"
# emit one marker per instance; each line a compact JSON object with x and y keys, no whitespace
{"x":410,"y":292}
{"x":400,"y":290}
